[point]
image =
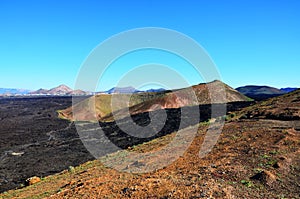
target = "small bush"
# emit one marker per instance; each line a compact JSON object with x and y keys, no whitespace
{"x":247,"y":183}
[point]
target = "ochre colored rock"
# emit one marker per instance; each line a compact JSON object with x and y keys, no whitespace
{"x":32,"y":180}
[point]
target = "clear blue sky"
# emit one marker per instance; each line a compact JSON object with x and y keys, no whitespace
{"x":43,"y":43}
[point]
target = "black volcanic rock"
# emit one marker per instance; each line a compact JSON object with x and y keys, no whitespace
{"x":34,"y":142}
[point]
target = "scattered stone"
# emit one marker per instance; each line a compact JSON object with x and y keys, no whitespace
{"x":265,"y":177}
{"x":17,"y":153}
{"x":125,"y":190}
{"x":32,"y":180}
{"x":80,"y":184}
{"x":203,"y":194}
{"x":276,"y":165}
{"x":213,"y":166}
{"x":71,"y":169}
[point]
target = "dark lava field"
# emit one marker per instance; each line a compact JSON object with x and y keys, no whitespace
{"x":35,"y":142}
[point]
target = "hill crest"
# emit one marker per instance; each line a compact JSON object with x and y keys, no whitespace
{"x":145,"y":102}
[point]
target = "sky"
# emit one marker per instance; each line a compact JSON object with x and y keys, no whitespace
{"x":45,"y":43}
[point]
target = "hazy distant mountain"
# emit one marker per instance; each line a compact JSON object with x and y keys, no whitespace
{"x":13,"y":91}
{"x":156,"y":90}
{"x":287,"y":90}
{"x":39,"y":92}
{"x":78,"y":92}
{"x":260,"y":92}
{"x":124,"y":90}
{"x":59,"y":90}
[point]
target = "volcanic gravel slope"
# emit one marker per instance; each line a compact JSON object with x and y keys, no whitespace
{"x":252,"y":159}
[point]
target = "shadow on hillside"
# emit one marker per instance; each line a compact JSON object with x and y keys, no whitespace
{"x":175,"y":119}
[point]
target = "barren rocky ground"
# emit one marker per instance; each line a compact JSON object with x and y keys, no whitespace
{"x":253,"y":158}
{"x":35,"y":142}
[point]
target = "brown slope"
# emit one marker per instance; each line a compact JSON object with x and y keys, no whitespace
{"x":210,"y":93}
{"x":99,"y":107}
{"x":251,"y":160}
{"x":285,"y":107}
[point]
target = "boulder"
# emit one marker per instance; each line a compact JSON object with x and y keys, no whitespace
{"x":32,"y":180}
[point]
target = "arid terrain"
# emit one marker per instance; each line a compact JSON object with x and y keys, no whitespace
{"x":149,"y":99}
{"x":34,"y":141}
{"x":254,"y":157}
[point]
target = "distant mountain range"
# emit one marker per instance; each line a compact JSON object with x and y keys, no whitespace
{"x":13,"y":91}
{"x":287,"y":90}
{"x":124,"y":90}
{"x":130,"y":89}
{"x":59,"y":90}
{"x":156,"y":90}
{"x":65,"y":90}
{"x":142,"y":102}
{"x":263,"y":92}
{"x":252,"y":91}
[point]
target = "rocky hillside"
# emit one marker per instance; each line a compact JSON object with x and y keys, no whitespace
{"x":285,"y":107}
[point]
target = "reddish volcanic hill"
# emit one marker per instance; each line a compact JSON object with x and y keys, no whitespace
{"x":99,"y":107}
{"x":61,"y":89}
